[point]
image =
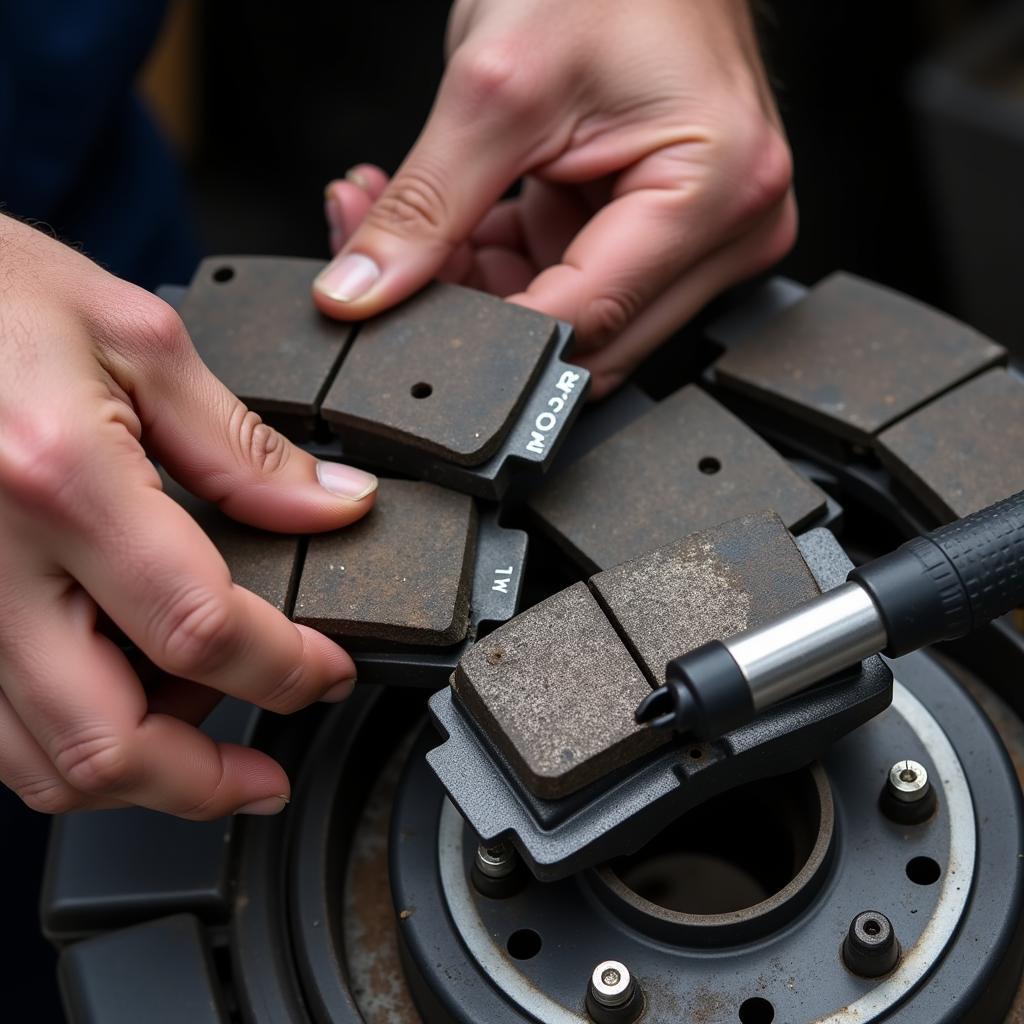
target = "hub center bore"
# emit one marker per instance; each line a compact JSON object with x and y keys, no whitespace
{"x":739,"y":865}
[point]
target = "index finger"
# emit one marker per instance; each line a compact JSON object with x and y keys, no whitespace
{"x":148,"y":564}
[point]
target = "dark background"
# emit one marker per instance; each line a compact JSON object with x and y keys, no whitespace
{"x":266,"y":103}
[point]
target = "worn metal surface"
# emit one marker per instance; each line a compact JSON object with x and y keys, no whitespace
{"x":555,"y":689}
{"x":963,"y":451}
{"x":854,"y":357}
{"x":369,"y":921}
{"x":686,"y":465}
{"x":401,"y":574}
{"x":265,"y":563}
{"x":707,"y":586}
{"x":254,"y":324}
{"x":445,"y":372}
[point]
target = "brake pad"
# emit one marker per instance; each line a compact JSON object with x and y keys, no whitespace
{"x":963,"y":451}
{"x":402,"y":573}
{"x":852,"y":357}
{"x":686,"y":465}
{"x":555,"y":688}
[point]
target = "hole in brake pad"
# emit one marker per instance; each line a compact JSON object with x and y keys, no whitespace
{"x":473,"y":355}
{"x":555,"y":688}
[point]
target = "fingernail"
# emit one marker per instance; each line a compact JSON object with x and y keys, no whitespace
{"x":345,"y":481}
{"x":347,"y":278}
{"x":354,"y":175}
{"x":339,"y":691}
{"x":268,"y":805}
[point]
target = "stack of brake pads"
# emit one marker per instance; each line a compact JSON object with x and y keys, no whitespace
{"x":453,"y":387}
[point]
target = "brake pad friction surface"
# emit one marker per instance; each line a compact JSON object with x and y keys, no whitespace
{"x":707,"y":586}
{"x":686,"y":465}
{"x":263,"y":562}
{"x":253,"y":322}
{"x":555,"y":688}
{"x":402,"y":573}
{"x":445,"y":372}
{"x":964,"y":450}
{"x":854,"y":357}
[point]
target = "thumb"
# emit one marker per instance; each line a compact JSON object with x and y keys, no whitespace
{"x":471,"y":150}
{"x":213,"y":445}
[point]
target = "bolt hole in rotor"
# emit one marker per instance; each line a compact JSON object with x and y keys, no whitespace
{"x":524,"y":944}
{"x":923,"y":871}
{"x":223,"y":274}
{"x":756,"y":1011}
{"x":706,"y":862}
{"x":421,"y":390}
{"x":709,"y":465}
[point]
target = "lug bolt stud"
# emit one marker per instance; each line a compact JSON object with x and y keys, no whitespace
{"x":908,"y":781}
{"x":497,"y":870}
{"x":871,"y":948}
{"x":496,"y":860}
{"x":613,"y":996}
{"x":908,"y":797}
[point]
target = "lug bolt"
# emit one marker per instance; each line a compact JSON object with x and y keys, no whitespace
{"x":908,"y":781}
{"x":613,"y":996}
{"x":497,"y":870}
{"x":871,"y":948}
{"x":908,"y":797}
{"x":496,"y":860}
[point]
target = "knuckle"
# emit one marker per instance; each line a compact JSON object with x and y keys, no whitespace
{"x":48,"y":796}
{"x":763,"y":166}
{"x":413,"y":204}
{"x":199,"y":635}
{"x":96,"y":763}
{"x":608,"y":315}
{"x":494,"y":76}
{"x":158,"y":327}
{"x":260,"y":446}
{"x":40,"y":458}
{"x":291,"y":693}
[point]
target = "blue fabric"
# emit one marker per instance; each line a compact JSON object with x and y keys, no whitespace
{"x":77,"y":149}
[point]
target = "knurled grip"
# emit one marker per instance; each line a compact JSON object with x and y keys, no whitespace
{"x":949,"y":582}
{"x":987,"y":551}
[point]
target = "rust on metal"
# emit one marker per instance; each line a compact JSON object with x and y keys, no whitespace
{"x":963,"y":451}
{"x":686,"y":465}
{"x":401,"y":574}
{"x":853,"y":357}
{"x":372,"y":956}
{"x":445,"y":372}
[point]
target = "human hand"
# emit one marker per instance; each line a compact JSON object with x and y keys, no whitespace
{"x":94,"y":369}
{"x":655,"y":173}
